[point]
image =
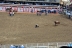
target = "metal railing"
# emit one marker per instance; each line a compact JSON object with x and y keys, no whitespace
{"x":39,"y":45}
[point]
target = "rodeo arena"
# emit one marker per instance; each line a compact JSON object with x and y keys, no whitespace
{"x":35,"y":26}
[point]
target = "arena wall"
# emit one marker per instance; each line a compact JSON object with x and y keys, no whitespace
{"x":28,"y":9}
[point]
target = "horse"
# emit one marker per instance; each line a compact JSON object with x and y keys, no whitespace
{"x":56,"y":22}
{"x":38,"y":13}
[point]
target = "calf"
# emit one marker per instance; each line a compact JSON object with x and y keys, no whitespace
{"x":36,"y":25}
{"x":56,"y":22}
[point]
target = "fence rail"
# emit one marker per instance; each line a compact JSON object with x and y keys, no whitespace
{"x":39,"y":45}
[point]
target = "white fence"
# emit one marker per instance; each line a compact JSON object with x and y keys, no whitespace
{"x":28,"y":9}
{"x":39,"y":45}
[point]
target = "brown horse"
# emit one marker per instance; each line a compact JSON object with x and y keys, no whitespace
{"x":56,"y":23}
{"x":39,"y":13}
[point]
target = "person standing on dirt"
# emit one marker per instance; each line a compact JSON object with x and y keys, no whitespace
{"x":10,"y":13}
{"x":69,"y":14}
{"x":32,"y":9}
{"x":37,"y":12}
{"x":45,"y":12}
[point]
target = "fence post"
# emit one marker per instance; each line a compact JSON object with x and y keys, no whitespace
{"x":32,"y":45}
{"x":0,"y":45}
{"x":37,"y":45}
{"x":26,"y":45}
{"x":57,"y":45}
{"x":4,"y":46}
{"x":43,"y":45}
{"x":48,"y":45}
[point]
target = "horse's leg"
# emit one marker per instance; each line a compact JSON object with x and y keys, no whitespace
{"x":40,"y":13}
{"x":55,"y":24}
{"x":37,"y":13}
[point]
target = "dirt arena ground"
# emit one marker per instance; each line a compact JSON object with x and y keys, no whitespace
{"x":21,"y":29}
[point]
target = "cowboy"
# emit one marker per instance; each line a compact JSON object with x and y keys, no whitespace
{"x":45,"y":12}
